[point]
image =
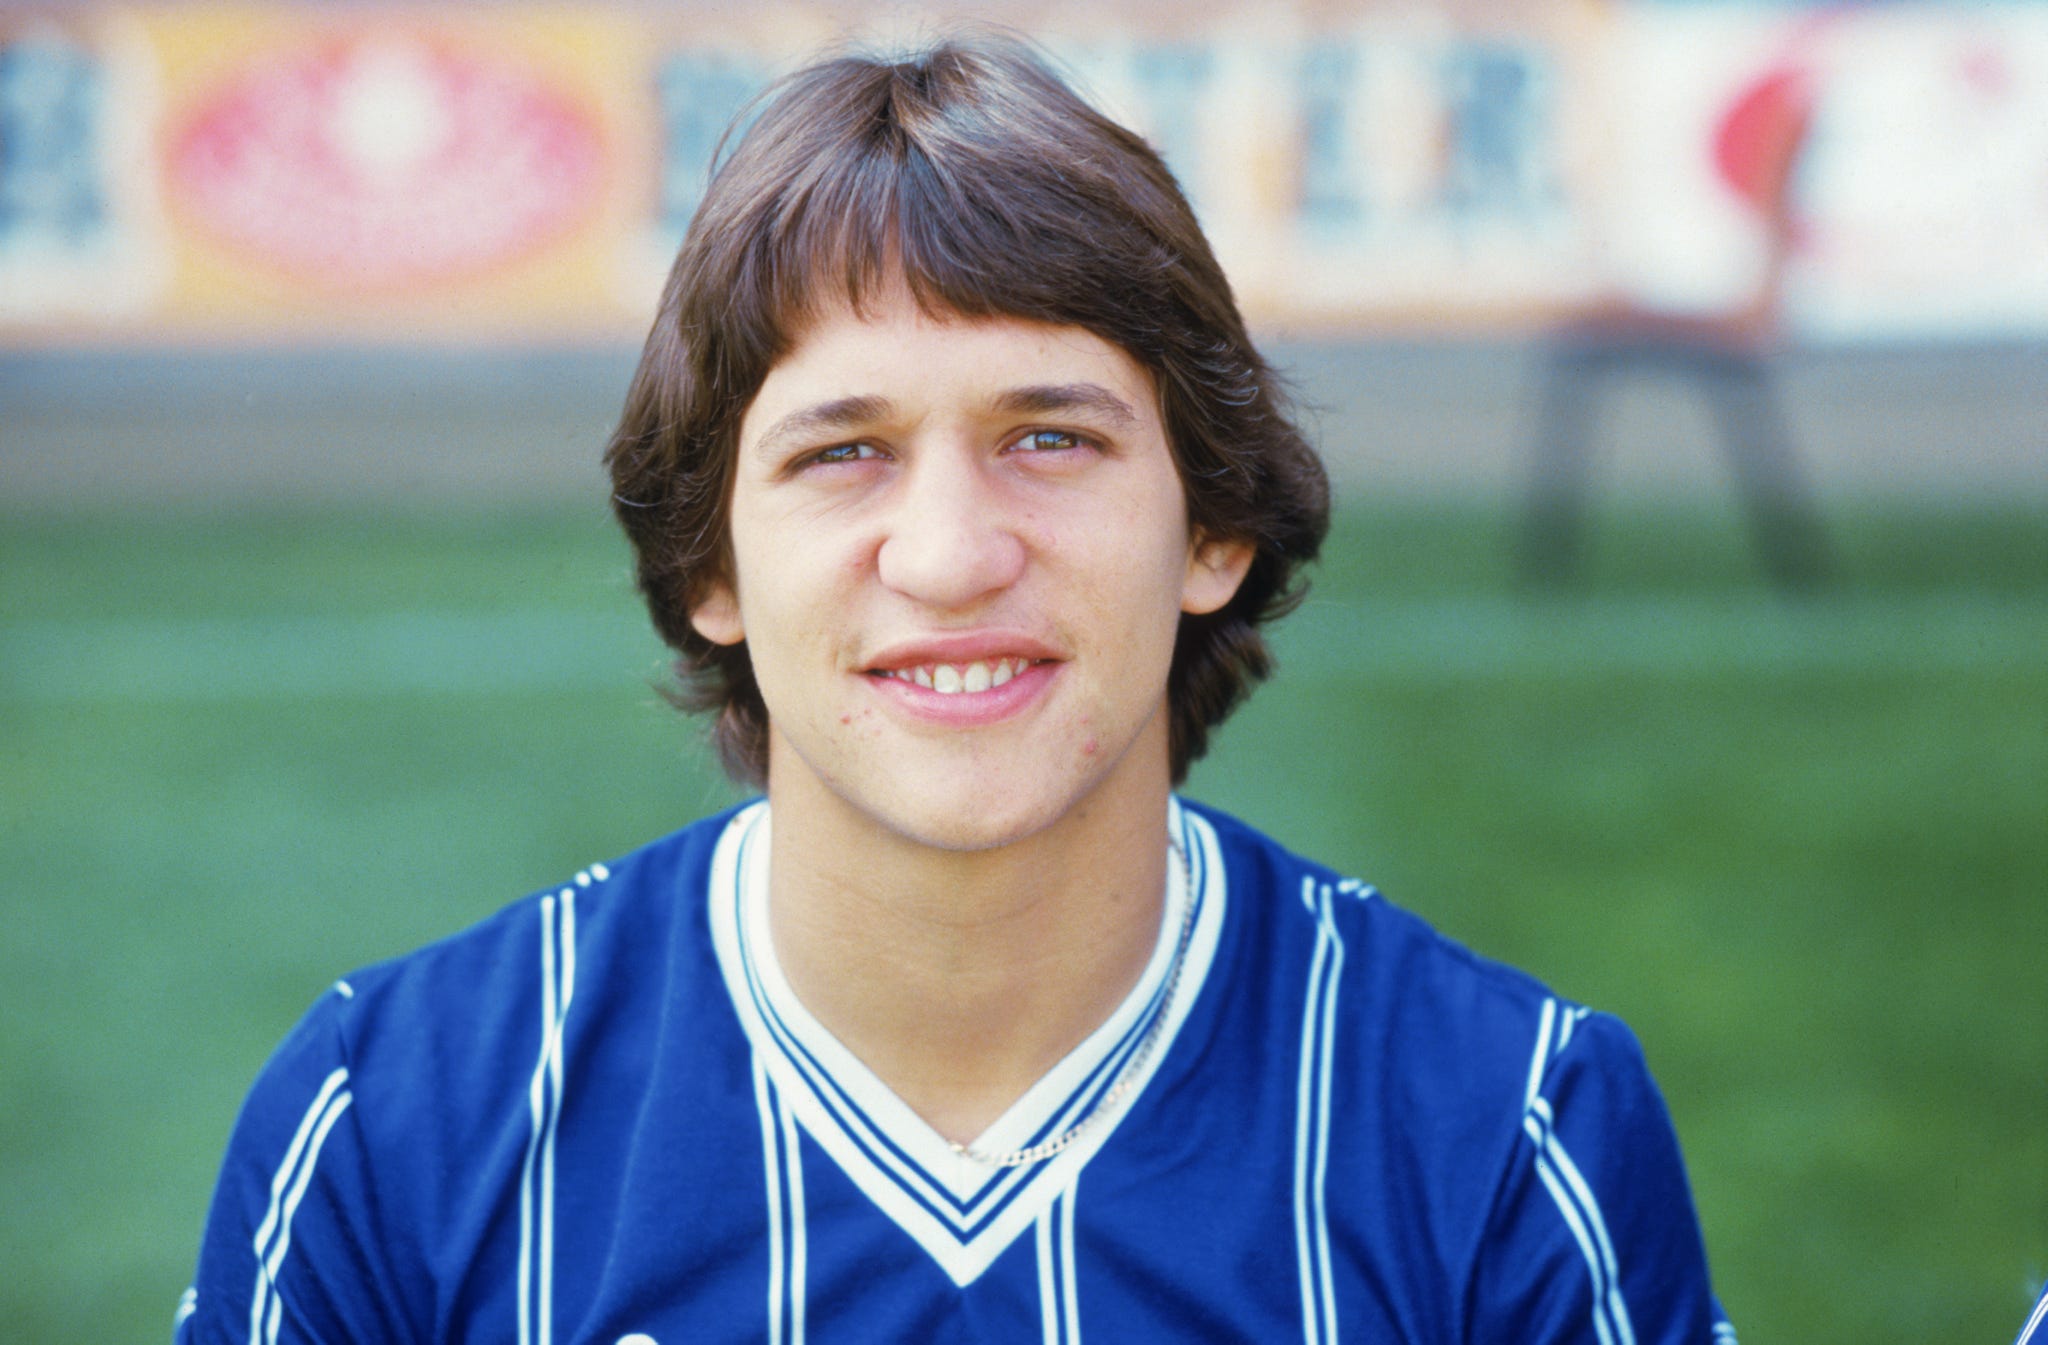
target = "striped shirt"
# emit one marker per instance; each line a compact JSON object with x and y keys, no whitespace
{"x":603,"y":1116}
{"x":2035,"y":1332}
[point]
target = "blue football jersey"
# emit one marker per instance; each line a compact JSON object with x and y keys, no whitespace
{"x":603,"y":1116}
{"x":2035,"y":1332}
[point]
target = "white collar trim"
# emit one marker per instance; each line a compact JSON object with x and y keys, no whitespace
{"x":964,"y":1213}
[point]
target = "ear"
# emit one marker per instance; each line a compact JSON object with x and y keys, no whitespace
{"x":1215,"y":569}
{"x":716,"y":615}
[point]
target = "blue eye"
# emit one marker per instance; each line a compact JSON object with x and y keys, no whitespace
{"x":845,"y":453}
{"x":1047,"y":441}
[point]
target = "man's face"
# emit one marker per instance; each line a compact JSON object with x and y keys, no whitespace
{"x":961,"y":552}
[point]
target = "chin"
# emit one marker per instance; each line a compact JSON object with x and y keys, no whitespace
{"x":967,"y":823}
{"x":963,"y":801}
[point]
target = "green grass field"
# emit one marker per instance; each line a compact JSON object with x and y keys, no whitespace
{"x":1801,"y":846}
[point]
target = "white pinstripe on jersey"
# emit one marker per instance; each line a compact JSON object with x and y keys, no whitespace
{"x":1313,"y":1261}
{"x":1312,"y":1124}
{"x":2035,"y":1332}
{"x":1071,"y":1306}
{"x":1568,"y":1190}
{"x":1059,"y":1301}
{"x":544,"y":1101}
{"x":771,"y":1166}
{"x":1546,"y":1022}
{"x":287,"y":1188}
{"x":799,"y":1239}
{"x":782,"y":1166}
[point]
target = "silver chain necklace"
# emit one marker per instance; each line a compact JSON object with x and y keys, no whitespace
{"x":1107,"y":1103}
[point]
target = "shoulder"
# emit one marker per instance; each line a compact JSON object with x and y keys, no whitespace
{"x":2035,"y":1332}
{"x":1431,"y":1027}
{"x":1516,"y":1135}
{"x":430,"y":1045}
{"x":1393,"y":966}
{"x":602,"y":919}
{"x":1431,"y":1052}
{"x":375,"y":1147}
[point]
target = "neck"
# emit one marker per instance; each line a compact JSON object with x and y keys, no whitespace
{"x":960,"y":977}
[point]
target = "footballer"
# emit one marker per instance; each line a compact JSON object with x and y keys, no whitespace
{"x":958,"y":487}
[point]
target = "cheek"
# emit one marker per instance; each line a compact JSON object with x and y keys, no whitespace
{"x":796,"y":574}
{"x":861,"y":723}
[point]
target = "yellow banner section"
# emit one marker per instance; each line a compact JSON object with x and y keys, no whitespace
{"x":396,"y":173}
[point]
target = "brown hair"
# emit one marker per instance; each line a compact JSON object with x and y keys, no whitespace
{"x":971,"y":174}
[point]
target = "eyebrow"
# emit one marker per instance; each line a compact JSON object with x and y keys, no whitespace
{"x":1039,"y":399}
{"x":1045,"y":399}
{"x":841,"y":413}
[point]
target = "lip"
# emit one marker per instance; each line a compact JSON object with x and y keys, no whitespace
{"x":968,"y":709}
{"x":962,"y":647}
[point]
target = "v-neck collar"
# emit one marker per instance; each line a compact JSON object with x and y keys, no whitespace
{"x":963,"y":1212}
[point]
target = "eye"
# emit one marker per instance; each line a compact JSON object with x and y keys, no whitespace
{"x":855,"y":452}
{"x":1050,"y":441}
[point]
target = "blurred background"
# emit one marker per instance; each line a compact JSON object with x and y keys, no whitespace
{"x":1682,"y":369}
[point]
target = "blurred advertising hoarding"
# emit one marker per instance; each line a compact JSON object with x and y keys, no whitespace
{"x":517,"y":173}
{"x":274,"y":171}
{"x":1917,"y":203}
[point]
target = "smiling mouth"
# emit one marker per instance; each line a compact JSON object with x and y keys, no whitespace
{"x":954,"y":679}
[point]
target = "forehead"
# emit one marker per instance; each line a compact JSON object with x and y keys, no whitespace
{"x":892,"y":350}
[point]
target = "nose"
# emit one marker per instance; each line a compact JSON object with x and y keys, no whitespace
{"x":951,"y":536}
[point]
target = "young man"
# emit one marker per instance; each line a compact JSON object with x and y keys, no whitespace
{"x":956,"y":482}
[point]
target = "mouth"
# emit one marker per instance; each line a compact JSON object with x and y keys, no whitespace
{"x":960,"y":679}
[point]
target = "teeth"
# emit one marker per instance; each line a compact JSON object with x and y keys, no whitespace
{"x":949,"y":679}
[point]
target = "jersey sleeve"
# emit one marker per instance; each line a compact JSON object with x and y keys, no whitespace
{"x":1592,"y":1236}
{"x":2035,"y":1332}
{"x":292,"y":1250}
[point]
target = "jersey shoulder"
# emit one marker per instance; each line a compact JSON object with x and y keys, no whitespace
{"x":461,"y":1017}
{"x":1510,"y":1138}
{"x":1434,"y":1048}
{"x":374,"y":1153}
{"x":1407,"y":959}
{"x":622,"y":908}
